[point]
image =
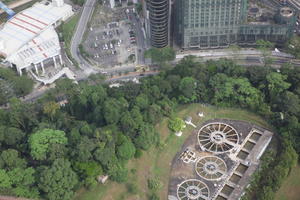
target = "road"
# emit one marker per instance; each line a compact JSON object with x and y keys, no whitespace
{"x":210,"y":54}
{"x":86,"y":14}
{"x":36,"y":94}
{"x":132,"y":75}
{"x":140,"y":40}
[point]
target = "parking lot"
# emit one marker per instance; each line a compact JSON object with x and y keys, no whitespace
{"x":111,"y":38}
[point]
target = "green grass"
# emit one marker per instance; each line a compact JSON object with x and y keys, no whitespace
{"x":156,"y":161}
{"x":290,"y":189}
{"x":68,"y":30}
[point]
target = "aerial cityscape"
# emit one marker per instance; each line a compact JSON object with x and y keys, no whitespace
{"x":149,"y":99}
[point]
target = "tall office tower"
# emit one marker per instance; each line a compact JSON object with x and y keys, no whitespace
{"x":159,"y":16}
{"x":208,"y":23}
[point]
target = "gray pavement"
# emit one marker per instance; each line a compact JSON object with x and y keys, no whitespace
{"x":78,"y":35}
{"x":140,"y":40}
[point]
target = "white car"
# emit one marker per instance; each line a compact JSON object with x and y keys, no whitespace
{"x":119,"y":43}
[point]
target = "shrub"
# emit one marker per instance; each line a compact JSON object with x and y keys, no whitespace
{"x":154,"y":184}
{"x":138,"y":153}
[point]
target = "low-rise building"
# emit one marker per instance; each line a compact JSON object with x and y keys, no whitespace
{"x":29,"y":37}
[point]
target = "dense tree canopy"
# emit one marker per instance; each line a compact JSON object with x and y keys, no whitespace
{"x":58,"y":180}
{"x":41,"y":141}
{"x":13,"y":85}
{"x":10,"y":159}
{"x":230,"y":92}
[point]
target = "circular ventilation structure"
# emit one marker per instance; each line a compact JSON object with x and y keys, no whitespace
{"x":211,"y":168}
{"x":217,"y":137}
{"x":192,"y":189}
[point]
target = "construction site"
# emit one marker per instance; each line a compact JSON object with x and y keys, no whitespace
{"x":217,"y":161}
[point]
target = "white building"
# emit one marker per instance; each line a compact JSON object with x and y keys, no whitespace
{"x":29,"y":37}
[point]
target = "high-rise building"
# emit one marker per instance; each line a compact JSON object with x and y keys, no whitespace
{"x":208,"y":23}
{"x":219,"y":23}
{"x":159,"y":16}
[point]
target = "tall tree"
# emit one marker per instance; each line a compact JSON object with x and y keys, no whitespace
{"x":5,"y":181}
{"x":58,"y":181}
{"x":276,"y":84}
{"x":176,"y":125}
{"x":22,"y":116}
{"x":235,"y":91}
{"x":40,"y":142}
{"x":23,"y":182}
{"x":187,"y":88}
{"x":10,"y":159}
{"x":50,"y":109}
{"x":13,"y":136}
{"x":126,"y":149}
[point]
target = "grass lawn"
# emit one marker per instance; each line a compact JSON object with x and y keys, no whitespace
{"x":290,"y":189}
{"x":157,"y":161}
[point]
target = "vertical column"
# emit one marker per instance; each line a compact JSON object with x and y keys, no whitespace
{"x":60,"y":59}
{"x":112,"y":3}
{"x":54,"y":60}
{"x":43,"y":69}
{"x":36,"y":69}
{"x":20,"y":71}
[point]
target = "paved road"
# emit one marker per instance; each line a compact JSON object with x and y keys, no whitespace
{"x":36,"y":94}
{"x":210,"y":54}
{"x":132,"y":75}
{"x":140,"y":40}
{"x":78,"y":35}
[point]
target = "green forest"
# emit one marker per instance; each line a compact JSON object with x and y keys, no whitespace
{"x":50,"y":150}
{"x":12,"y":85}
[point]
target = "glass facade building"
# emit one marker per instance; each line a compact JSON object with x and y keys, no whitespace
{"x":219,"y":23}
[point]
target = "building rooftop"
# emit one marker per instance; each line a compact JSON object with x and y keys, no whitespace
{"x":28,"y":24}
{"x":29,"y":37}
